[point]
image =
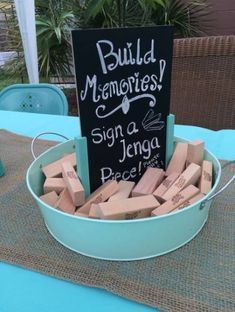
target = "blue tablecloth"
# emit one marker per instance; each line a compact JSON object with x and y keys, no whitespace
{"x":22,"y":290}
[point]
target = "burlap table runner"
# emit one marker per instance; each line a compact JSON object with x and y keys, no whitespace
{"x":196,"y":277}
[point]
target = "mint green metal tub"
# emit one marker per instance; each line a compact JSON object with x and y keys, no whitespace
{"x":119,"y":240}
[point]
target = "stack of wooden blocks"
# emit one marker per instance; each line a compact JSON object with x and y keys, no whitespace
{"x":187,"y":179}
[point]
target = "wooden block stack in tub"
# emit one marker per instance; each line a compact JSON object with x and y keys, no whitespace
{"x":187,"y":179}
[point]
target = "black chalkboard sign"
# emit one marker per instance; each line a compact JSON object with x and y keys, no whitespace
{"x":123,"y":84}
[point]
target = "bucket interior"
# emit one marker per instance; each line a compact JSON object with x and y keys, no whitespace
{"x":112,"y":239}
{"x":36,"y":177}
{"x":210,"y":157}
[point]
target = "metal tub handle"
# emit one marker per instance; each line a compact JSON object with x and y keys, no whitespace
{"x":217,"y":193}
{"x":40,"y":134}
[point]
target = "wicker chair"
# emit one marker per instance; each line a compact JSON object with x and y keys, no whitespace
{"x":203,"y":82}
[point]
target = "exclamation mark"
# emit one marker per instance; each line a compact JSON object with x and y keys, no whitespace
{"x":140,"y":165}
{"x":162,"y":64}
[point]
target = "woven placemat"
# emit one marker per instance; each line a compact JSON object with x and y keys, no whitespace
{"x":196,"y":277}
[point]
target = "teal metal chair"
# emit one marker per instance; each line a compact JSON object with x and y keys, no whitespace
{"x":42,"y":98}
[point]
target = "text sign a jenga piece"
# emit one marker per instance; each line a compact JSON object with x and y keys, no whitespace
{"x":123,"y":85}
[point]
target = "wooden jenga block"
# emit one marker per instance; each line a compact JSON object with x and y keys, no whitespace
{"x":54,"y":184}
{"x":65,"y":202}
{"x":73,"y":184}
{"x":192,"y":200}
{"x":100,"y":195}
{"x":148,"y":182}
{"x":129,"y":208}
{"x":124,"y":190}
{"x":195,"y":152}
{"x":50,"y":198}
{"x":189,"y":176}
{"x":205,"y":182}
{"x":178,"y":160}
{"x":54,"y":169}
{"x":93,"y":213}
{"x":80,"y":214}
{"x":176,"y":201}
{"x":165,"y":185}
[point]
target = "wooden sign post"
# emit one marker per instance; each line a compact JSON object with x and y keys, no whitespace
{"x":123,"y":86}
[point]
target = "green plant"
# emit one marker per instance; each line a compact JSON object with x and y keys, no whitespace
{"x":53,"y":24}
{"x":185,"y":16}
{"x":109,"y":13}
{"x":15,"y":69}
{"x":55,"y":19}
